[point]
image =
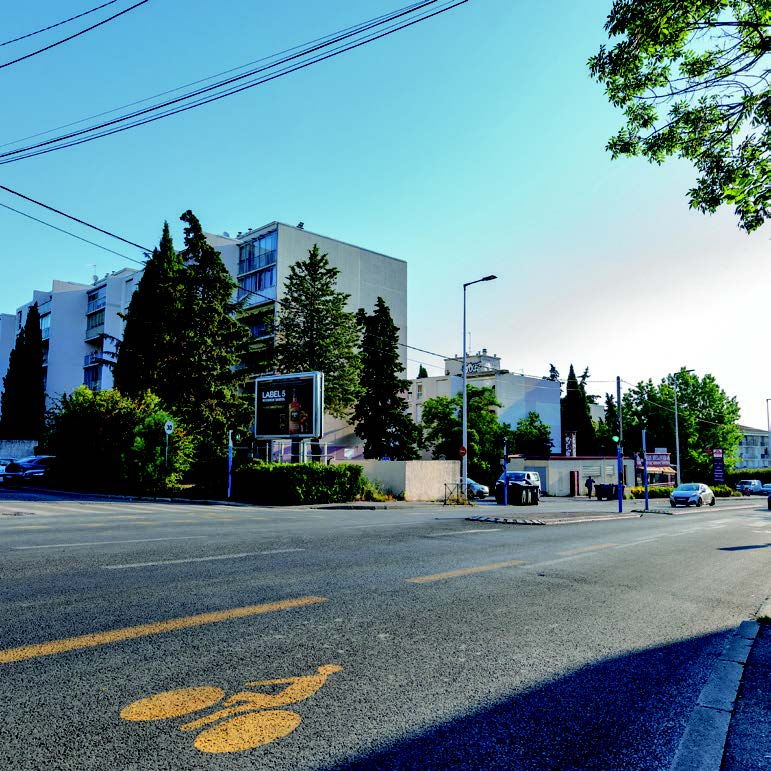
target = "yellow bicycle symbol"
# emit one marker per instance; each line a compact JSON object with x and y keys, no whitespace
{"x":245,"y":728}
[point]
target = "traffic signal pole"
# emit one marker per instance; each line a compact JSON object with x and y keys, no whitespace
{"x":619,"y":449}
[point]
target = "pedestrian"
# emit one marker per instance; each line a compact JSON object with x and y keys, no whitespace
{"x":588,"y":485}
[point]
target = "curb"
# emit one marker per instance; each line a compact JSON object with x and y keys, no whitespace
{"x":703,"y":743}
{"x":764,"y":614}
{"x":555,"y":521}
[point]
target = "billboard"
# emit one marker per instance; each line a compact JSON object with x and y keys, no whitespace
{"x":289,"y":406}
{"x":718,"y":465}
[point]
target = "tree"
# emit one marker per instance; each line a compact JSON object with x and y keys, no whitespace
{"x":575,"y":416}
{"x":380,"y":414}
{"x":692,"y":79}
{"x":112,"y":443}
{"x":442,"y":423}
{"x":314,"y":332}
{"x":204,"y":379}
{"x":532,"y":436}
{"x":148,"y":354}
{"x":422,"y":372}
{"x":608,"y":428}
{"x":706,"y":415}
{"x":553,"y":374}
{"x":23,"y":399}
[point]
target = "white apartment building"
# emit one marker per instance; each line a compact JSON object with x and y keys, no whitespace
{"x":753,"y":448}
{"x":81,"y":322}
{"x":519,"y":394}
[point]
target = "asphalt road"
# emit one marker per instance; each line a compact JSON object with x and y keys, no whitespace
{"x":406,"y":638}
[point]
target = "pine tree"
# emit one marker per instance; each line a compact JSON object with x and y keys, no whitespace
{"x":150,"y":338}
{"x":422,"y":372}
{"x":314,"y":332}
{"x":575,"y":416}
{"x":202,"y":378}
{"x":380,"y":414}
{"x":23,"y":399}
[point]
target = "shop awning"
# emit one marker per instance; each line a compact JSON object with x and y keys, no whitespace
{"x":661,"y":470}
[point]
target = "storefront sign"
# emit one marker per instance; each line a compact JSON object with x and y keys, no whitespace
{"x":718,"y":466}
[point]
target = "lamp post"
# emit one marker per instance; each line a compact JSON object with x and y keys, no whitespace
{"x":768,"y":421}
{"x":677,"y":427}
{"x":464,"y":456}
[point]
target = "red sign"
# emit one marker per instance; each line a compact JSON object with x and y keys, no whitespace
{"x":462,"y":451}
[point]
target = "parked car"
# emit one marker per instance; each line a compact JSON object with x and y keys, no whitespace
{"x":766,"y":489}
{"x":750,"y":487}
{"x":523,"y":487}
{"x":476,"y":490}
{"x":691,"y":493}
{"x":31,"y":467}
{"x":3,"y":463}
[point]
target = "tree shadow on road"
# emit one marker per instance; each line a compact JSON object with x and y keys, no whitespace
{"x":625,"y":713}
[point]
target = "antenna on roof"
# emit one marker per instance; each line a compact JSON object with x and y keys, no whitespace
{"x":300,"y":225}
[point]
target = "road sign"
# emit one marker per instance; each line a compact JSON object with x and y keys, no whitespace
{"x":169,"y":427}
{"x":462,"y":451}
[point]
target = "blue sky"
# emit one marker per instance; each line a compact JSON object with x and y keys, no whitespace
{"x":470,"y":144}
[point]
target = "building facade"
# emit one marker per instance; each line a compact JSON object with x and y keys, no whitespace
{"x":518,"y":394}
{"x":753,"y":448}
{"x":82,"y":323}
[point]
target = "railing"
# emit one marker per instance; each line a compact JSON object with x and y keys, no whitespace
{"x":94,"y":331}
{"x":453,"y":494}
{"x":96,"y":305}
{"x":250,"y":264}
{"x":44,"y":308}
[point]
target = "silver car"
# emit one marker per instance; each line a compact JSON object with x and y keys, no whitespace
{"x":691,"y":494}
{"x":477,"y":490}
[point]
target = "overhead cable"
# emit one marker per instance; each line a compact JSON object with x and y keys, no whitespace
{"x":58,"y":23}
{"x":74,"y":219}
{"x":110,"y":127}
{"x":71,"y":37}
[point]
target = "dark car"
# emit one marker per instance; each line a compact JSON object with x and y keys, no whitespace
{"x":524,"y":487}
{"x":31,"y":467}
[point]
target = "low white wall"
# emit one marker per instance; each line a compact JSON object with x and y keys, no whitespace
{"x":17,"y":448}
{"x":413,"y":480}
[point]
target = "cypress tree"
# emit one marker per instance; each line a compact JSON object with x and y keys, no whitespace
{"x":422,"y":372}
{"x":23,"y":399}
{"x":575,"y":414}
{"x":150,"y":336}
{"x":380,"y":414}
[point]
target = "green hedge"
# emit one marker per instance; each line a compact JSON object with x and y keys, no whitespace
{"x":292,"y":484}
{"x":763,"y":474}
{"x":721,"y":491}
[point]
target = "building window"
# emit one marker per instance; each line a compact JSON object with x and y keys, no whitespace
{"x":95,"y":320}
{"x":97,"y":299}
{"x":258,"y":253}
{"x":45,"y":326}
{"x":257,"y":282}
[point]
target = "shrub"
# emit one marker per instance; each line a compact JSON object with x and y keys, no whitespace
{"x":733,"y":477}
{"x":721,"y":491}
{"x":292,"y":484}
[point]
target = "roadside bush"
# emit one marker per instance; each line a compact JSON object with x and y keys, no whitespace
{"x":733,"y":477}
{"x":724,"y":491}
{"x":106,"y":442}
{"x":292,"y":484}
{"x":653,"y":492}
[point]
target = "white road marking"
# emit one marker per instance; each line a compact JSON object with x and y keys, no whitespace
{"x":199,"y":559}
{"x":101,"y":543}
{"x":463,"y":532}
{"x":635,"y":543}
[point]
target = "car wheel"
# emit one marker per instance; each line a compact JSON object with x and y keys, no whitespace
{"x":699,"y":501}
{"x":673,"y":505}
{"x":713,"y":501}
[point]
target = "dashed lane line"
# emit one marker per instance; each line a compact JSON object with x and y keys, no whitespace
{"x":464,"y":572}
{"x":586,"y":549}
{"x":103,"y":543}
{"x":464,"y":532}
{"x":199,"y":559}
{"x":11,"y":655}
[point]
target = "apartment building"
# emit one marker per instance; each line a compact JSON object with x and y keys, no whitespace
{"x":81,"y":323}
{"x":518,"y":394}
{"x":753,"y":448}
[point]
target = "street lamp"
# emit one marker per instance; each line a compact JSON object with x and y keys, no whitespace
{"x":677,"y":428}
{"x":464,"y":457}
{"x":768,"y":421}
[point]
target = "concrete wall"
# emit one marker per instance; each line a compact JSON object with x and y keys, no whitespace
{"x":17,"y":448}
{"x":414,"y":480}
{"x":555,"y":473}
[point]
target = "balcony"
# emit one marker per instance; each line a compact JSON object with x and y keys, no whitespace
{"x":95,"y":358}
{"x":95,"y":305}
{"x":44,"y":307}
{"x":92,"y":333}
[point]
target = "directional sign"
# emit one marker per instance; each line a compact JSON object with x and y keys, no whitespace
{"x":169,"y":427}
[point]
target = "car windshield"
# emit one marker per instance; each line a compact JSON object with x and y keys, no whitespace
{"x":688,"y":488}
{"x":747,"y":482}
{"x":514,"y":476}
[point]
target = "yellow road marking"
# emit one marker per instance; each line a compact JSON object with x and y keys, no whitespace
{"x":31,"y":527}
{"x":464,"y":572}
{"x":91,"y":524}
{"x":11,"y":655}
{"x":183,"y":521}
{"x":588,"y":548}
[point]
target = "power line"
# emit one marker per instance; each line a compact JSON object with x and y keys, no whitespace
{"x":71,"y":37}
{"x":103,"y":129}
{"x":354,"y":28}
{"x":58,"y":23}
{"x":62,"y":230}
{"x":74,"y":219}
